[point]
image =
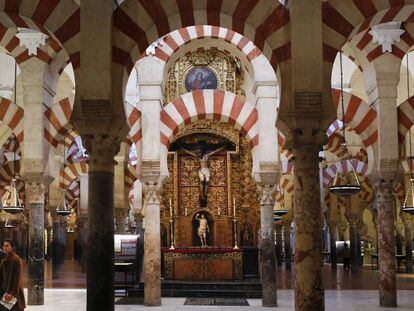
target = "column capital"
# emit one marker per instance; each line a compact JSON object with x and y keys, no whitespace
{"x":102,"y":149}
{"x":152,"y":192}
{"x":267,"y":193}
{"x":35,"y":191}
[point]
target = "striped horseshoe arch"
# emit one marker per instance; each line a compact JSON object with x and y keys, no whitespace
{"x":405,"y":114}
{"x":220,"y":106}
{"x":71,"y":172}
{"x":343,"y":166}
{"x":358,"y":115}
{"x":12,"y":115}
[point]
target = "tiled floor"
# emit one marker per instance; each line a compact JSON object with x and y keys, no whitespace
{"x":338,"y":300}
{"x":70,"y":276}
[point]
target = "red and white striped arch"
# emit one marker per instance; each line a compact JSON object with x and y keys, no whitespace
{"x":217,"y":105}
{"x":134,"y":122}
{"x":405,"y":114}
{"x":174,"y":40}
{"x":11,"y":115}
{"x":72,"y":193}
{"x":57,"y":117}
{"x":343,"y":166}
{"x":59,"y":19}
{"x":140,"y":22}
{"x":130,"y":177}
{"x":359,"y":116}
{"x":72,"y":171}
{"x":346,"y":22}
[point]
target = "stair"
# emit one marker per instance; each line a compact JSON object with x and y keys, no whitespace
{"x":205,"y":289}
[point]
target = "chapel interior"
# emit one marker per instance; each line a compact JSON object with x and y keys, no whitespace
{"x":251,"y":153}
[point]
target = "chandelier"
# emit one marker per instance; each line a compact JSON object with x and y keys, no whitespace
{"x":408,"y":204}
{"x":346,"y":184}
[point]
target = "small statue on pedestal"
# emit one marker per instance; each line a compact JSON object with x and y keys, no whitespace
{"x":203,"y":229}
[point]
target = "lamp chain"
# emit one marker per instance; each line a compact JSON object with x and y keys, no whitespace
{"x":342,"y":95}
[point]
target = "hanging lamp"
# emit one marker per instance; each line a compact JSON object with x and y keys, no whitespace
{"x":12,"y":203}
{"x":8,"y":224}
{"x":346,"y":184}
{"x":62,"y":208}
{"x":408,"y":204}
{"x":281,"y":211}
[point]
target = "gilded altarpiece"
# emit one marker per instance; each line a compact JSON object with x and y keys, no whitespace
{"x":230,"y":180}
{"x":217,"y":69}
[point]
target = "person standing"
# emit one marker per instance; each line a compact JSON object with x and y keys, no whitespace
{"x":11,"y":277}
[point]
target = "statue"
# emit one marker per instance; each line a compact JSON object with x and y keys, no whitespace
{"x":204,"y":172}
{"x":203,"y":229}
{"x":71,"y":221}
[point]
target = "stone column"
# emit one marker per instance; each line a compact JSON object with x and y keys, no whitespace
{"x":386,"y":242}
{"x":287,"y":223}
{"x":333,"y":235}
{"x":408,"y":232}
{"x":83,"y":219}
{"x":152,"y":244}
{"x":353,"y":241}
{"x":100,"y":252}
{"x":309,"y":293}
{"x":120,"y":215}
{"x":278,"y":229}
{"x":36,"y":198}
{"x":267,"y":245}
{"x":58,"y":246}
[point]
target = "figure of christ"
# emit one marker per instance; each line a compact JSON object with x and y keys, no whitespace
{"x":204,"y":172}
{"x":203,"y":229}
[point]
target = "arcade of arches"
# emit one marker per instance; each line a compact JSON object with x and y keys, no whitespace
{"x":171,"y":134}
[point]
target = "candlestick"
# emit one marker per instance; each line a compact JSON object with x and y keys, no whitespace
{"x":234,"y":207}
{"x":171,"y":212}
{"x":218,"y":211}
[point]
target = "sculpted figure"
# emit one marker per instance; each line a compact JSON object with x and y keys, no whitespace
{"x":204,"y":172}
{"x":203,"y":229}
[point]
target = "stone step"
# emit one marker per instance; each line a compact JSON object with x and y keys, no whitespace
{"x":204,"y":289}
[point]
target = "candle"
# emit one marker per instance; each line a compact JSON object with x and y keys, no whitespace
{"x":171,"y":212}
{"x":234,"y":206}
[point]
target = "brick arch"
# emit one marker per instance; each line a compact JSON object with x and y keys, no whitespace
{"x":177,"y":38}
{"x":359,"y":116}
{"x":57,"y":117}
{"x":339,"y":28}
{"x":405,"y":115}
{"x":134,"y":122}
{"x":11,"y":115}
{"x":72,"y":171}
{"x":60,"y":20}
{"x":221,"y":106}
{"x":343,"y":166}
{"x":138,"y":23}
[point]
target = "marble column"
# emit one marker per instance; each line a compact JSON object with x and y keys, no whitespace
{"x":279,"y":251}
{"x":152,"y":245}
{"x":386,"y":243}
{"x":120,"y":215}
{"x":332,"y":231}
{"x":100,"y":249}
{"x":267,"y":246}
{"x":287,"y":245}
{"x":58,"y":246}
{"x":309,"y":293}
{"x":408,"y":248}
{"x":36,"y":198}
{"x":353,"y":241}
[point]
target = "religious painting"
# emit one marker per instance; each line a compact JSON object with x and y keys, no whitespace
{"x":200,"y":78}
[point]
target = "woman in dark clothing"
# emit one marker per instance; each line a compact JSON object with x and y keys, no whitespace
{"x":11,"y":277}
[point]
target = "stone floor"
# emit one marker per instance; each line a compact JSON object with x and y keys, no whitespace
{"x":338,"y":300}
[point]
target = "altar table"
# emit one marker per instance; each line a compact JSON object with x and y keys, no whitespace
{"x":208,"y":263}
